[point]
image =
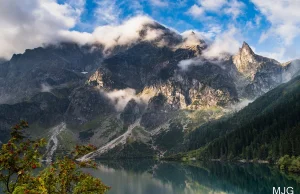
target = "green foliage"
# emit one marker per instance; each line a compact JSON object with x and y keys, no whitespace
{"x":81,"y":150}
{"x":168,"y":140}
{"x":64,"y":176}
{"x":20,"y":156}
{"x":267,"y":129}
{"x":291,"y":164}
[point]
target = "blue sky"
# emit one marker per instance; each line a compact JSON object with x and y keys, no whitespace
{"x":271,"y":27}
{"x":213,"y":16}
{"x":173,"y":14}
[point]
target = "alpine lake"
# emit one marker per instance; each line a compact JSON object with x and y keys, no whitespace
{"x":160,"y":177}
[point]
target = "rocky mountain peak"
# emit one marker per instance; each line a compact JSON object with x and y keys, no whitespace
{"x":246,"y":61}
{"x":262,"y":72}
{"x":192,"y":41}
{"x":163,"y":35}
{"x":246,"y":49}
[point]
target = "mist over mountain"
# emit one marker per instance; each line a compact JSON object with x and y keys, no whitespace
{"x":135,"y":92}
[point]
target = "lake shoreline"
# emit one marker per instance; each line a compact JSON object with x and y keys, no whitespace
{"x":193,"y":176}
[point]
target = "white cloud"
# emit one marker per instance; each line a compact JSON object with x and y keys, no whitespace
{"x":80,"y":38}
{"x":159,"y":3}
{"x":196,"y":11}
{"x":258,"y":20}
{"x":135,"y":6}
{"x":288,"y":32}
{"x":282,"y":53}
{"x":240,"y":105}
{"x":112,"y":35}
{"x":120,"y":98}
{"x":229,"y":7}
{"x":185,"y":64}
{"x":107,"y":12}
{"x":292,"y":71}
{"x":126,"y":33}
{"x":45,"y":87}
{"x":213,"y":31}
{"x":40,"y":22}
{"x":213,"y":5}
{"x":284,"y":17}
{"x":78,"y":5}
{"x":193,"y":37}
{"x":278,"y":54}
{"x":227,"y":42}
{"x":32,"y":23}
{"x":234,"y":8}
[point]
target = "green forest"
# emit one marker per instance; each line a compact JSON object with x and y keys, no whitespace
{"x":267,"y":129}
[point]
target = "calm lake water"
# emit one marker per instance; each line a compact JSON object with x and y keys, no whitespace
{"x":152,"y":177}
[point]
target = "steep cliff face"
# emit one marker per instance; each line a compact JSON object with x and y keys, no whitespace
{"x":261,"y":73}
{"x":248,"y":63}
{"x":200,"y":87}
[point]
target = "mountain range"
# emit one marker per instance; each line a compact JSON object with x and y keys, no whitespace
{"x":148,"y":98}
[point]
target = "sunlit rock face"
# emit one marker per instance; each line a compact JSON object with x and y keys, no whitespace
{"x":246,"y":62}
{"x":261,"y":73}
{"x":200,"y":87}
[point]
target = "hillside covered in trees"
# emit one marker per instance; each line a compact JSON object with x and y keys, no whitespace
{"x":267,"y":129}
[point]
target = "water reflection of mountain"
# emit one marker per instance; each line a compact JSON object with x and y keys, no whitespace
{"x":211,"y":177}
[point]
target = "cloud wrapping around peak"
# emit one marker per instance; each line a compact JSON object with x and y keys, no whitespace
{"x":40,"y":22}
{"x":195,"y":37}
{"x":43,"y":22}
{"x":227,"y":42}
{"x":110,"y":36}
{"x":126,"y":33}
{"x":32,"y":23}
